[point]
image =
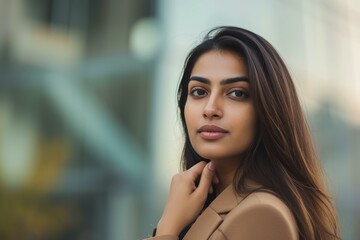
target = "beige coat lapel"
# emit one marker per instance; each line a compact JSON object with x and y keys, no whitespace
{"x":211,"y":218}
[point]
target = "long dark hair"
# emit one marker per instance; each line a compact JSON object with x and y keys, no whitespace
{"x":282,"y":157}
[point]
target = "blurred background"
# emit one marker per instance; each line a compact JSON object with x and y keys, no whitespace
{"x":89,"y":133}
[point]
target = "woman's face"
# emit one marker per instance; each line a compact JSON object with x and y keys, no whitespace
{"x":219,"y":111}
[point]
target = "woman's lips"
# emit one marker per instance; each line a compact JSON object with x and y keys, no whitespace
{"x":211,"y":132}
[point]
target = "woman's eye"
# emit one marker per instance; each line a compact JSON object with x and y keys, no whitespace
{"x":198,"y":92}
{"x":238,"y":93}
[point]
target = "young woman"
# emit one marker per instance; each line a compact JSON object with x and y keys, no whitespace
{"x":250,"y":169}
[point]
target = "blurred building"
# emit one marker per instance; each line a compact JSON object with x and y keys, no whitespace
{"x":89,"y":133}
{"x":75,"y":102}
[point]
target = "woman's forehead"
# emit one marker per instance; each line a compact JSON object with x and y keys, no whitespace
{"x":219,"y":65}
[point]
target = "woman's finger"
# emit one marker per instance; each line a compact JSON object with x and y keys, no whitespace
{"x":215,"y":179}
{"x":206,"y":179}
{"x":211,"y":190}
{"x":196,"y":170}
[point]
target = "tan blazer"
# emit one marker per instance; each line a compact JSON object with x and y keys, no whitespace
{"x":261,"y":215}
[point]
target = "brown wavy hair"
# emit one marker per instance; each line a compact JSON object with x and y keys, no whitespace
{"x":282,"y":157}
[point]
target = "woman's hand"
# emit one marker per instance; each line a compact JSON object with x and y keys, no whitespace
{"x":185,"y":199}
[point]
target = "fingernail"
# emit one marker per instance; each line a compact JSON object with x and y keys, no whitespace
{"x":211,"y":166}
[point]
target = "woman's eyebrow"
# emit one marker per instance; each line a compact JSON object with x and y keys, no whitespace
{"x":234,"y":79}
{"x":200,"y":79}
{"x":222,"y":82}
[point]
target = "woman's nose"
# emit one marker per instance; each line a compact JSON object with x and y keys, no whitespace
{"x":213,"y":108}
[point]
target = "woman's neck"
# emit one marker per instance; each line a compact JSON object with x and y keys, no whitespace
{"x":225,"y":172}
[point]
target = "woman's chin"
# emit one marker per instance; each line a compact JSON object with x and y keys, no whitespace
{"x":217,"y":156}
{"x":212,"y":156}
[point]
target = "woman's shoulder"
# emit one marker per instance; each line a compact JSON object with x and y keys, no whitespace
{"x":260,"y":215}
{"x":264,"y":199}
